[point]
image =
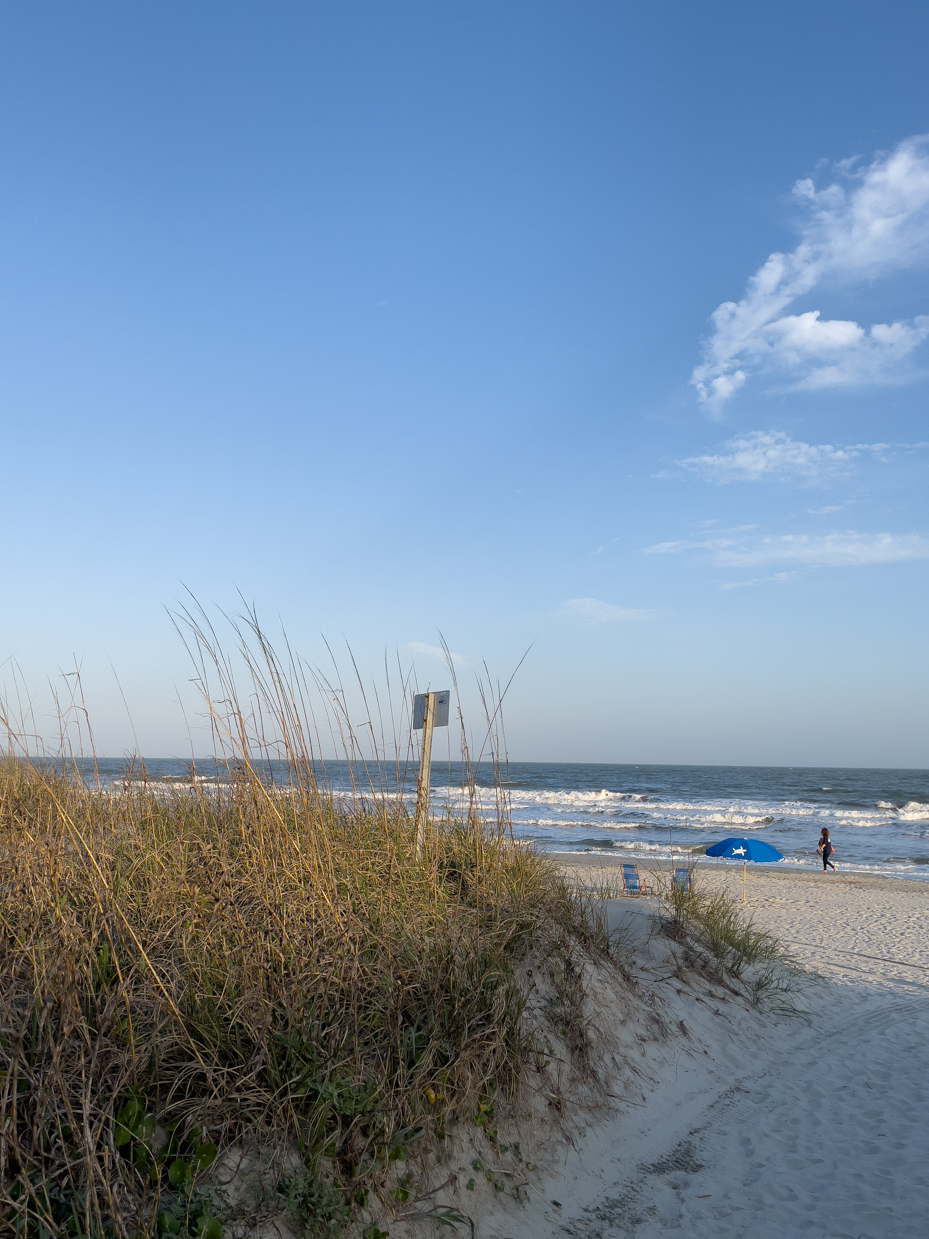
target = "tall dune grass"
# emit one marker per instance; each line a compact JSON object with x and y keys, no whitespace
{"x":736,"y":948}
{"x":255,"y":963}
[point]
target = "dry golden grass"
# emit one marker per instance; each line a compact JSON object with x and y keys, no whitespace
{"x":183,"y":971}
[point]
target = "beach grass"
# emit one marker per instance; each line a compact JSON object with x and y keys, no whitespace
{"x":250,"y":966}
{"x":733,"y":945}
{"x":181,"y":972}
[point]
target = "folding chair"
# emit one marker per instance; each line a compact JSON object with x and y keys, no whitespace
{"x":682,"y":880}
{"x":632,"y":883}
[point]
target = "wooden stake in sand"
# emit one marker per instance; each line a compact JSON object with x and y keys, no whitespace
{"x":429,"y":710}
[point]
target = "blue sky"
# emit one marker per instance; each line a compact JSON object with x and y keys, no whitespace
{"x":596,"y":326}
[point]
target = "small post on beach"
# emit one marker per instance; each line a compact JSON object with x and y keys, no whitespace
{"x":743,"y":881}
{"x":429,"y":710}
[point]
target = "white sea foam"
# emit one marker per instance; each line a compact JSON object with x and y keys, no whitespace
{"x":736,"y":819}
{"x":859,"y":817}
{"x":571,"y":797}
{"x":584,"y":825}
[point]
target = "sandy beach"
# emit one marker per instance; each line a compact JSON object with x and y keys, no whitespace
{"x":832,"y":922}
{"x":758,"y":1125}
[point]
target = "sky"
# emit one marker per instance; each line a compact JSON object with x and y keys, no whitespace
{"x":596,"y":330}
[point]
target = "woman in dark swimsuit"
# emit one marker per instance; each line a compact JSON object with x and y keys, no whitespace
{"x":825,"y":850}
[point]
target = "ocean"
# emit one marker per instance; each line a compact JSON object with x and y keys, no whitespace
{"x":878,"y":819}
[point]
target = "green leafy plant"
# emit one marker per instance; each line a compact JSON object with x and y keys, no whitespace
{"x":316,"y":1205}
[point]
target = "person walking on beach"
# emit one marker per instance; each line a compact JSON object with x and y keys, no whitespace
{"x":825,"y":850}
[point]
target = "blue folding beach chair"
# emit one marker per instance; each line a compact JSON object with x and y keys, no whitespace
{"x":682,"y":880}
{"x":632,"y":883}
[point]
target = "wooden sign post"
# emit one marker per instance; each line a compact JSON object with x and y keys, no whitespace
{"x":429,"y":710}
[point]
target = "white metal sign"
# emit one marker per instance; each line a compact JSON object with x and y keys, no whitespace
{"x":440,"y":718}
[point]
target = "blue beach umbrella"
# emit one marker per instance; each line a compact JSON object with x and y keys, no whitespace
{"x":745,"y":849}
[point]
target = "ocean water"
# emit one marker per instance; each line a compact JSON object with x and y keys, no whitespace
{"x":878,"y":819}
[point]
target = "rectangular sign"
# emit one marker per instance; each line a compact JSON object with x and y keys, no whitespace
{"x":441,"y":709}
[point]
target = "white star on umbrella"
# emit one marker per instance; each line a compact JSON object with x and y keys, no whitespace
{"x":738,"y":851}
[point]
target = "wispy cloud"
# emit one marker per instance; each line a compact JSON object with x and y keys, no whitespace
{"x":779,"y":577}
{"x":868,"y":224}
{"x":835,"y":550}
{"x":773,"y":454}
{"x":593,"y":611}
{"x":433,"y":651}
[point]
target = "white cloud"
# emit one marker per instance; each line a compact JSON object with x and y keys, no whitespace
{"x":780,"y":577}
{"x":836,"y":550}
{"x":596,"y":612}
{"x":772,"y":453}
{"x":433,"y":651}
{"x":874,"y":224}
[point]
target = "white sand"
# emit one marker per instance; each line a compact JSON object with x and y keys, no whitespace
{"x":784,"y":1128}
{"x":719,"y":1121}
